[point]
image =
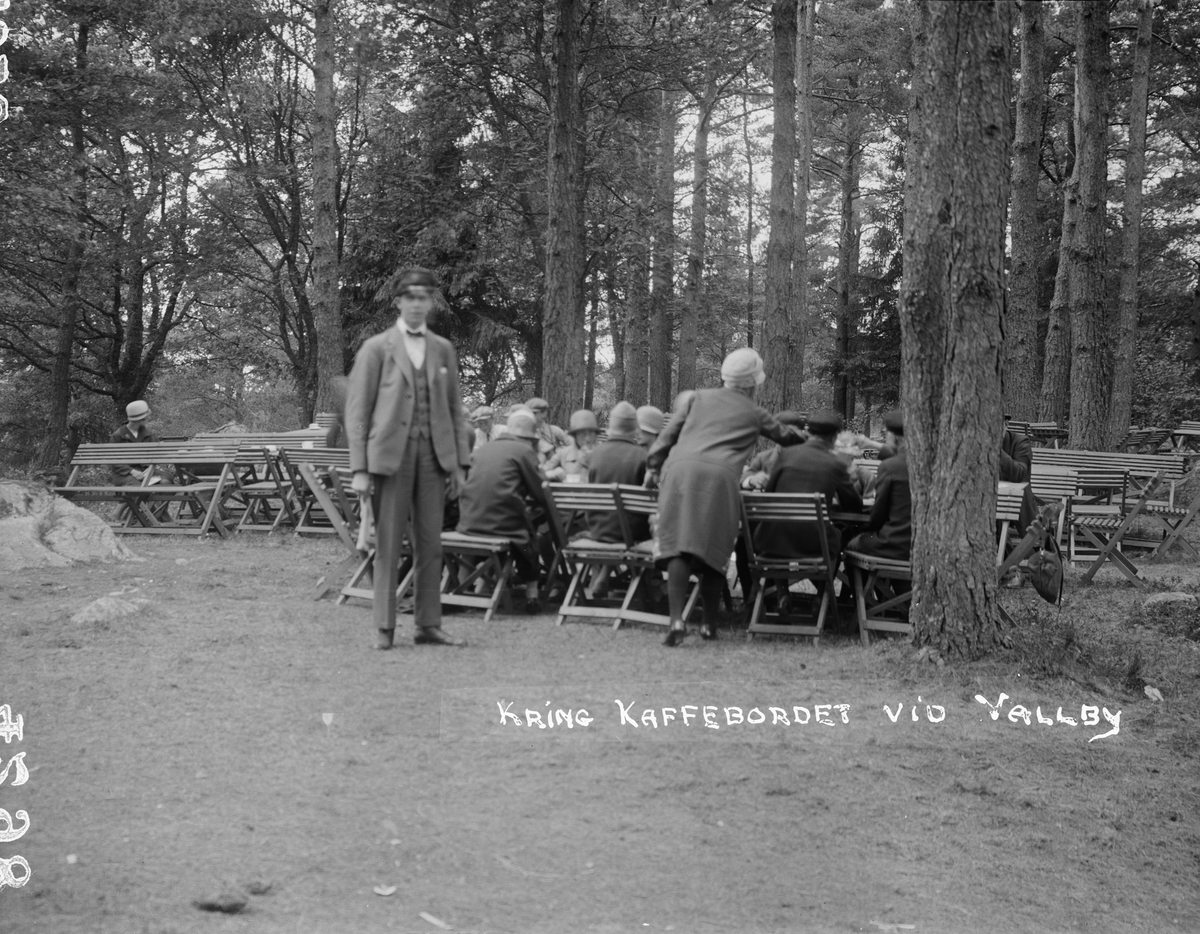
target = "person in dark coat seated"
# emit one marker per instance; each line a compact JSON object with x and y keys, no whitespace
{"x":134,"y":431}
{"x":620,"y":459}
{"x":502,"y":480}
{"x":889,"y":530}
{"x":811,"y":467}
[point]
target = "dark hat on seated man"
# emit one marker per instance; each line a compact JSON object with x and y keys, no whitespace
{"x":825,"y":422}
{"x":894,"y":422}
{"x":791,"y":417}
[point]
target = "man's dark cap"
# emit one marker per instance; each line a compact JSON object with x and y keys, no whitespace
{"x":410,"y":276}
{"x":825,"y":422}
{"x":894,"y":422}
{"x":791,"y":417}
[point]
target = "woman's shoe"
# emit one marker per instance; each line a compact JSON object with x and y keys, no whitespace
{"x":708,"y":631}
{"x":676,"y":633}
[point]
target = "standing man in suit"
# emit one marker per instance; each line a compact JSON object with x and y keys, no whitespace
{"x":408,"y":438}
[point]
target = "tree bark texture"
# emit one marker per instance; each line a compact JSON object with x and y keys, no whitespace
{"x":804,"y":142}
{"x":750,"y":322}
{"x":777,"y":298}
{"x":951,"y":304}
{"x":1089,"y":386}
{"x":694,"y":306}
{"x":848,"y":252}
{"x":662,"y":305}
{"x":562,"y":339}
{"x":1125,"y":340}
{"x":50,"y":454}
{"x":1022,"y":370}
{"x":326,"y":302}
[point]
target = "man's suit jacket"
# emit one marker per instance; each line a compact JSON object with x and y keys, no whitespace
{"x":618,"y":460}
{"x":891,"y":516}
{"x":381,"y":403}
{"x":812,"y":467}
{"x":504,"y":474}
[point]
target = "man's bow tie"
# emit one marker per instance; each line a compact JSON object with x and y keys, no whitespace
{"x":414,"y":333}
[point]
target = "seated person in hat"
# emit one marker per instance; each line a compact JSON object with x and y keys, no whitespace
{"x":758,"y":469}
{"x":650,"y":422}
{"x":550,"y":437}
{"x":502,"y":480}
{"x":1016,"y":466}
{"x":620,"y":459}
{"x":812,"y":467}
{"x":132,"y":432}
{"x":572,"y":461}
{"x":888,"y":532}
{"x":481,"y":420}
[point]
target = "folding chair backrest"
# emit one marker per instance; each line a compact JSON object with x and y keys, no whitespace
{"x":584,"y":497}
{"x":868,"y":465}
{"x":1008,"y":504}
{"x":784,"y":507}
{"x":638,"y":500}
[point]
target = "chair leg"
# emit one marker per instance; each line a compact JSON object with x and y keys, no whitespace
{"x":860,"y":602}
{"x":569,"y":598}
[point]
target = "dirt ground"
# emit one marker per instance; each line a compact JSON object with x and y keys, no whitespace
{"x":183,"y":751}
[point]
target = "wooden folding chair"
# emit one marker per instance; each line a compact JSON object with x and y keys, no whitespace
{"x":261,"y":489}
{"x":1041,"y":527}
{"x":585,"y":556}
{"x":881,"y":606}
{"x":788,"y":509}
{"x":1107,"y":529}
{"x":1008,"y":511}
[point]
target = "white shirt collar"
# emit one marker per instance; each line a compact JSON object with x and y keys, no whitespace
{"x":404,"y":327}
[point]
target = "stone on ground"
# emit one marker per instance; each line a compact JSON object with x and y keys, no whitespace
{"x":39,"y":529}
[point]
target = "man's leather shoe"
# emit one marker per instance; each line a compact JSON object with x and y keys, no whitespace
{"x":384,"y":638}
{"x":435,"y":636}
{"x":708,"y":631}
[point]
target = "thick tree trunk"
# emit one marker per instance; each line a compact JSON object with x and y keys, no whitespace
{"x":1089,"y":386}
{"x":1125,"y":342}
{"x":589,"y":386}
{"x":662,"y":306}
{"x":562,"y":342}
{"x":1056,"y":369}
{"x":49,"y":455}
{"x":1022,"y":371}
{"x":804,"y":142}
{"x":750,"y":323}
{"x":326,"y":304}
{"x":951,"y":303}
{"x":694,"y":306}
{"x":781,"y":242}
{"x":848,"y":252}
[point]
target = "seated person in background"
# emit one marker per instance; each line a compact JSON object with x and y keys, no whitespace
{"x":1016,"y":466}
{"x":758,"y":469}
{"x":620,"y":459}
{"x":503,"y":475}
{"x":481,"y":421}
{"x":850,"y":446}
{"x":132,"y":432}
{"x":550,"y":437}
{"x":1016,"y":457}
{"x":650,"y":422}
{"x":572,"y":461}
{"x":889,"y":530}
{"x":812,"y":467}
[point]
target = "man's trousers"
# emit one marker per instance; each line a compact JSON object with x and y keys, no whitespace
{"x":417,"y":491}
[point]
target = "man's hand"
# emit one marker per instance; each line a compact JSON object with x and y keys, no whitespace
{"x":361,"y":484}
{"x":651,"y":481}
{"x":140,"y":474}
{"x":454,"y":490}
{"x":756,"y":481}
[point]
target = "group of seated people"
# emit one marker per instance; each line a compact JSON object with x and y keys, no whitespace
{"x":503,"y":492}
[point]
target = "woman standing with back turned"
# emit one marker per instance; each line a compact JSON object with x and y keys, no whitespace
{"x":701,"y":453}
